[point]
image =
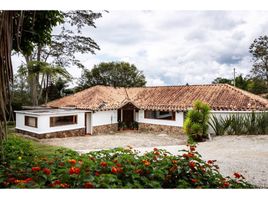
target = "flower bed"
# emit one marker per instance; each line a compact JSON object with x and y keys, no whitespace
{"x":116,"y":168}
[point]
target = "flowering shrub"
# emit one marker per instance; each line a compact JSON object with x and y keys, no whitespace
{"x":116,"y":168}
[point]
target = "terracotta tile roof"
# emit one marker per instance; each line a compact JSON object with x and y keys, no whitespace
{"x":218,"y":96}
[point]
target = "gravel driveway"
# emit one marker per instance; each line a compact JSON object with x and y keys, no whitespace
{"x":121,"y":139}
{"x":245,"y":154}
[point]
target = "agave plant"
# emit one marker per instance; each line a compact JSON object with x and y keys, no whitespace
{"x":262,"y":123}
{"x":217,"y":124}
{"x":250,"y":123}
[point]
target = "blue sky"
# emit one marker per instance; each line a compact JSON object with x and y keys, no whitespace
{"x":176,"y":47}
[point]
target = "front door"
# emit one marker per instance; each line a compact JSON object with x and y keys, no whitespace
{"x":128,"y":117}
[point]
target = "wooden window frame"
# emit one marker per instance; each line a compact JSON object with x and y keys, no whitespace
{"x":52,"y":120}
{"x":172,"y":119}
{"x":26,"y":121}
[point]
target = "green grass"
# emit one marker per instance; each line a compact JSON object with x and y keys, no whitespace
{"x":40,"y":149}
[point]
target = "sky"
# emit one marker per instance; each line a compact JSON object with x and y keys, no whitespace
{"x":176,"y":47}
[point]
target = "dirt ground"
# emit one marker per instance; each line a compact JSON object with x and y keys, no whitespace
{"x":244,"y":154}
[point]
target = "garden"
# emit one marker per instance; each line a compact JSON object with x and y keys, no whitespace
{"x":28,"y":164}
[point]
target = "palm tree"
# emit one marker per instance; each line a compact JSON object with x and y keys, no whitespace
{"x":40,"y":75}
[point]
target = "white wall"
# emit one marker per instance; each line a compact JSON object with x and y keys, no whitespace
{"x":104,"y":117}
{"x":177,"y":122}
{"x":43,"y":123}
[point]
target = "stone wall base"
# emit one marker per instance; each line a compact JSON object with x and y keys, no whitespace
{"x":58,"y":134}
{"x":155,"y":128}
{"x":105,"y":129}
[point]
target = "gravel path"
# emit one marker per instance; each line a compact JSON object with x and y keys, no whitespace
{"x":122,"y":139}
{"x":247,"y":155}
{"x":244,"y":154}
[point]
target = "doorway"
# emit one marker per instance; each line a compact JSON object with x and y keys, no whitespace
{"x":88,"y":123}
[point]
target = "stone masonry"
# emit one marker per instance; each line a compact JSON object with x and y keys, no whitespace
{"x":58,"y":134}
{"x":105,"y":129}
{"x":154,"y":128}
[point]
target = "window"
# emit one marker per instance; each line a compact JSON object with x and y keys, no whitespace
{"x":63,"y":120}
{"x":166,"y":115}
{"x":30,"y":121}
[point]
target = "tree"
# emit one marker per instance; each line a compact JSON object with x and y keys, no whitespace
{"x":58,"y":49}
{"x":116,"y":74}
{"x":240,"y":81}
{"x":196,"y":122}
{"x":259,"y":72}
{"x":259,"y":52}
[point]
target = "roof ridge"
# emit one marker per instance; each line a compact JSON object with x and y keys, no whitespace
{"x":249,"y":94}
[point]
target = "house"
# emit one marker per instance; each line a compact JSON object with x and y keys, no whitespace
{"x":100,"y":109}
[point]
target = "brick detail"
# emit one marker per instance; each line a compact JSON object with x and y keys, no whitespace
{"x":155,"y":128}
{"x":58,"y":134}
{"x":105,"y":129}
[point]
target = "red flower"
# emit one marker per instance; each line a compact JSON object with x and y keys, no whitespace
{"x":36,"y":169}
{"x":72,"y":161}
{"x":88,"y":185}
{"x":138,"y":171}
{"x":114,"y":170}
{"x":119,"y":170}
{"x":57,"y":182}
{"x":103,"y":164}
{"x":27,"y":180}
{"x":210,"y":162}
{"x":118,"y":165}
{"x":191,"y":164}
{"x":155,"y":149}
{"x":226,"y":184}
{"x":11,"y":180}
{"x":237,"y":175}
{"x":47,"y":171}
{"x":194,"y":180}
{"x":192,"y":148}
{"x":97,"y":173}
{"x":61,"y":164}
{"x":74,"y":170}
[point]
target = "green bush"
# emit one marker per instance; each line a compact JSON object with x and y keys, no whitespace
{"x":237,"y":124}
{"x":196,"y":122}
{"x":116,"y":168}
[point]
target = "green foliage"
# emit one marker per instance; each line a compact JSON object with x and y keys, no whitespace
{"x":249,"y":124}
{"x":196,"y":122}
{"x":116,"y":168}
{"x":116,"y":74}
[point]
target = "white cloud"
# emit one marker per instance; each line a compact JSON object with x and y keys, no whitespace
{"x":177,"y":47}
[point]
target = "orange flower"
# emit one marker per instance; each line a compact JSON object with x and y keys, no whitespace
{"x":72,"y":161}
{"x":174,"y":161}
{"x":36,"y":169}
{"x":74,"y":170}
{"x":103,"y":164}
{"x":156,"y":153}
{"x":64,"y":185}
{"x":47,"y":171}
{"x":237,"y":175}
{"x":114,"y":170}
{"x":146,"y":163}
{"x":188,"y":155}
{"x":88,"y":185}
{"x":191,"y":164}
